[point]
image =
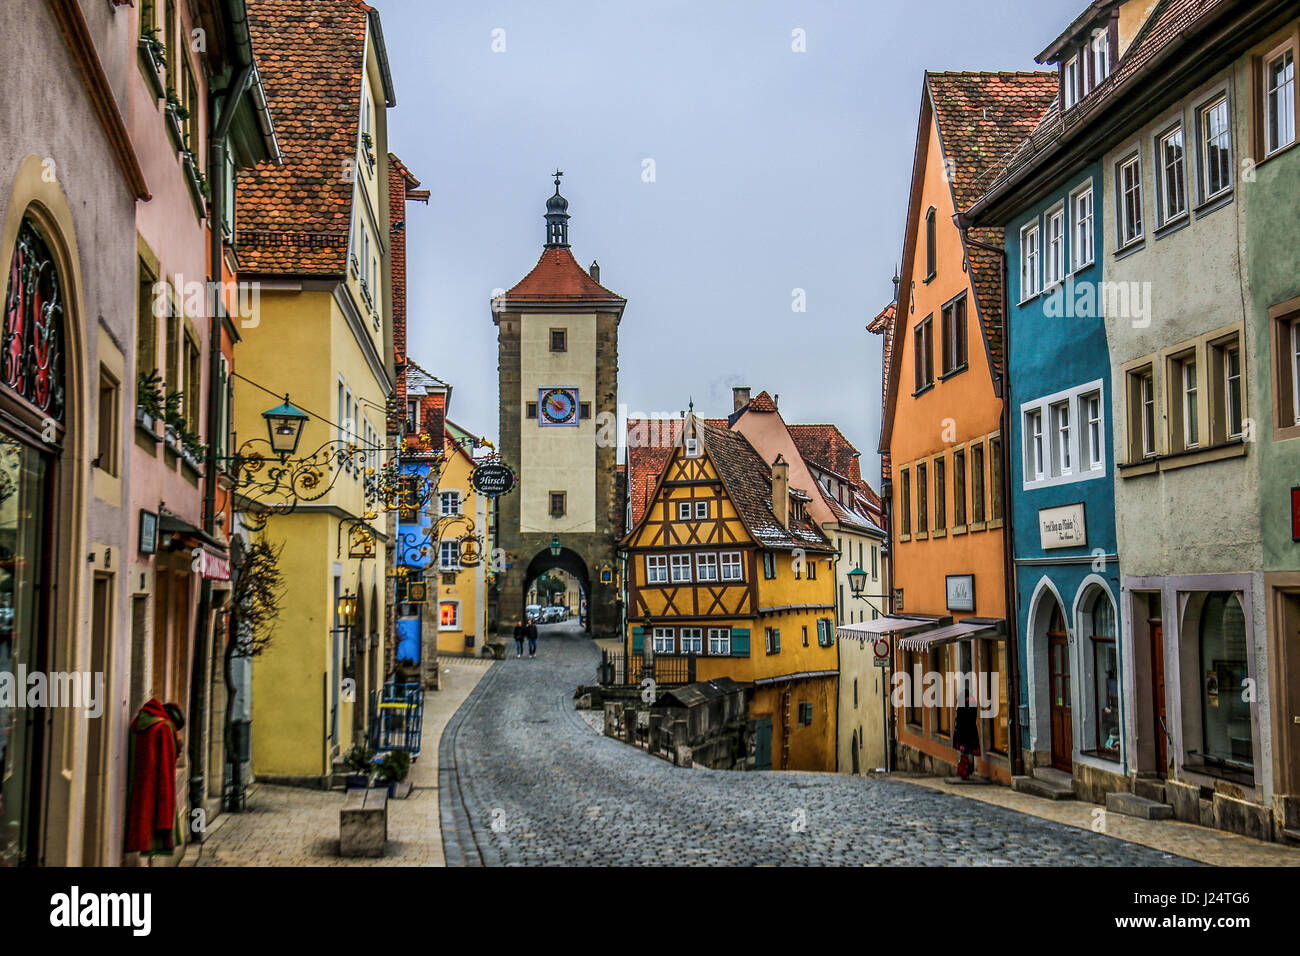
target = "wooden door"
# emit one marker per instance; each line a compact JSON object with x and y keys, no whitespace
{"x":1158,"y":696}
{"x":1062,"y":720}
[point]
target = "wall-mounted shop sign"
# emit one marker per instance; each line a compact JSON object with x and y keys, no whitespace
{"x":1062,"y":527}
{"x":961,"y":592}
{"x":148,"y":532}
{"x":492,"y":479}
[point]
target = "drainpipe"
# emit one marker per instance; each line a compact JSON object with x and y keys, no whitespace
{"x":1008,"y":554}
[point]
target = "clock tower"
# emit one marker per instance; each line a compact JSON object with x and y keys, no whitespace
{"x":557,"y":334}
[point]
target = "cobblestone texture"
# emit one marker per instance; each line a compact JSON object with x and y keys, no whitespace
{"x":526,"y":781}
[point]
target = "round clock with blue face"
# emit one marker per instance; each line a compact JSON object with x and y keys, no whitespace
{"x":559,"y":406}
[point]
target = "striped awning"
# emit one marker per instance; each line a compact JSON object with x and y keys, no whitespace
{"x":870,"y":630}
{"x":962,"y":630}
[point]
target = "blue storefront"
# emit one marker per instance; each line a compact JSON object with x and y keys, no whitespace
{"x":415,"y":558}
{"x":1062,"y":474}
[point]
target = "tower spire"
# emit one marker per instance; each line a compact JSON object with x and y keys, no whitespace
{"x":557,"y":217}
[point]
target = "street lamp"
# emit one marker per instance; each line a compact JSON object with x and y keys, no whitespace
{"x":555,"y":547}
{"x":347,"y":609}
{"x":857,"y":581}
{"x":284,"y":425}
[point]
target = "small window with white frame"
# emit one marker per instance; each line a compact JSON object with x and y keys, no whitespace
{"x":701,"y":510}
{"x":1081,"y":242}
{"x":1279,"y":89}
{"x":683,"y":511}
{"x":1055,"y":246}
{"x":1172,"y":182}
{"x":1140,"y":398}
{"x":680,"y":568}
{"x":1215,"y":148}
{"x":720,"y":641}
{"x":1059,"y":416}
{"x":1070,"y":81}
{"x":1093,"y":431}
{"x":692,"y":640}
{"x":1227,"y":417}
{"x":1100,"y":49}
{"x":732,"y":567}
{"x":1184,"y":409}
{"x":1030,"y":252}
{"x":656,"y":569}
{"x":449,"y":555}
{"x":449,"y":503}
{"x":1128,"y":208}
{"x":663,"y":640}
{"x":706,"y":567}
{"x":1034,"y":445}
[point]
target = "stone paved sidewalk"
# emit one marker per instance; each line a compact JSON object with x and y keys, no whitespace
{"x":291,"y":826}
{"x":1206,"y":845}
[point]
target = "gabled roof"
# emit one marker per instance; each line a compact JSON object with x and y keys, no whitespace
{"x":1090,"y":13}
{"x":296,"y":218}
{"x":978,"y":118}
{"x":557,"y":277}
{"x":419,"y":378}
{"x":825,"y":445}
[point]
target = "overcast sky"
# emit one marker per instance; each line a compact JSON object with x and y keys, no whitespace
{"x":774,"y":170}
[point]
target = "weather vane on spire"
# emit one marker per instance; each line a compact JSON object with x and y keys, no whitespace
{"x":558,"y":173}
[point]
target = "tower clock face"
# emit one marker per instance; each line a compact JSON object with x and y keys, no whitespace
{"x":558,"y":406}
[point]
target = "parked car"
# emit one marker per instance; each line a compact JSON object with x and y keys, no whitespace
{"x":534,"y":612}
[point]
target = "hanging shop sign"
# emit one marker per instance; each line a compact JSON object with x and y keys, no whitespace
{"x":493,"y":479}
{"x":148,"y":532}
{"x":417,"y":592}
{"x":1062,"y":527}
{"x":361,"y":542}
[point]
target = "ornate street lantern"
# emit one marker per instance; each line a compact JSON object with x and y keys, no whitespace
{"x":347,"y":609}
{"x":284,"y":425}
{"x":555,"y":547}
{"x":857,"y":581}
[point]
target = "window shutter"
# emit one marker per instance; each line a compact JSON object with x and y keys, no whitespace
{"x":776,"y":639}
{"x":638,"y":640}
{"x":740,"y":642}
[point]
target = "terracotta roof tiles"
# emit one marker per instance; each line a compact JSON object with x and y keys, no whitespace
{"x":557,"y":277}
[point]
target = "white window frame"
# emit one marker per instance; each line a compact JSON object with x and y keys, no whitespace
{"x":1229,"y":349}
{"x":1054,"y":261}
{"x":728,"y":560}
{"x":449,"y":503}
{"x":683,"y":511}
{"x":720,"y":641}
{"x":1295,"y":368}
{"x":679,"y":568}
{"x":656,"y":569}
{"x":1099,"y":51}
{"x":1046,"y":442}
{"x":1189,"y":395}
{"x":1070,"y":80}
{"x":1147,"y":397}
{"x":663,"y":640}
{"x":706,"y":567}
{"x":1090,"y":419}
{"x":692,"y":640}
{"x":1082,"y":238}
{"x":1220,"y":100}
{"x":452,"y":548}
{"x":1163,"y":192}
{"x":454,"y":625}
{"x":701,"y":510}
{"x":1059,"y":421}
{"x":1031,"y":245}
{"x":1274,"y":98}
{"x":1127,"y":236}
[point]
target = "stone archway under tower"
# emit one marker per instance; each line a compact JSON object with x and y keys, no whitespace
{"x":567,"y":560}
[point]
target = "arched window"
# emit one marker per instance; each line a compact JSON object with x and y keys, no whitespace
{"x":31,"y":344}
{"x":1225,"y":716}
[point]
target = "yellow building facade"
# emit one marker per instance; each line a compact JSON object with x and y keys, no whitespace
{"x":322,"y":335}
{"x":725,"y":565}
{"x":462,"y":589}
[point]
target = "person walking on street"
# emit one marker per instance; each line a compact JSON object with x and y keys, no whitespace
{"x":532,"y":639}
{"x":521,"y":631}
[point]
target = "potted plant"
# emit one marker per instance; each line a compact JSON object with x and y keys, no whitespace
{"x":172,"y":417}
{"x":360,"y":761}
{"x":192,"y":449}
{"x":176,"y":116}
{"x":148,"y":401}
{"x":392,"y":770}
{"x":153,"y":54}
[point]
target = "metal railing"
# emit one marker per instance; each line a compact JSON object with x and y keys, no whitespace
{"x":617,"y":668}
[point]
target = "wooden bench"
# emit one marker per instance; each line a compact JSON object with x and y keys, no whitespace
{"x":363,"y":822}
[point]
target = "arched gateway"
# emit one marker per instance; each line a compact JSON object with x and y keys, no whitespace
{"x":557,"y":333}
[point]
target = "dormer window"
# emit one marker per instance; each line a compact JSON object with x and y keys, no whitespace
{"x":1100,"y":47}
{"x":1070,"y":82}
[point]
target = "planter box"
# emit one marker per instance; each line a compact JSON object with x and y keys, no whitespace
{"x":190,"y":460}
{"x":147,"y":424}
{"x":172,"y":439}
{"x":193,"y":178}
{"x":174,"y":127}
{"x":151,"y":67}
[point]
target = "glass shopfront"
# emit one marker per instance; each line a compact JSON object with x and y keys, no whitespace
{"x":1225,"y":715}
{"x":1105,"y":676}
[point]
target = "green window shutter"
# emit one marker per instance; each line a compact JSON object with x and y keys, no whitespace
{"x":638,"y":640}
{"x":740,"y":642}
{"x":830,"y":635}
{"x":776,"y":639}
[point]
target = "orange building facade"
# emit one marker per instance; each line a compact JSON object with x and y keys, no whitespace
{"x":942,"y":427}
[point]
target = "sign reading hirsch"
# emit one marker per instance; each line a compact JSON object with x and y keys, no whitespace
{"x":1062,"y":527}
{"x":492,"y":479}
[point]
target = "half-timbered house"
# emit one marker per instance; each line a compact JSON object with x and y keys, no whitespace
{"x":726,"y":569}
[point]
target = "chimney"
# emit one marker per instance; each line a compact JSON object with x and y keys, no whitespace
{"x":781,"y":491}
{"x":739,"y":397}
{"x":594,"y":271}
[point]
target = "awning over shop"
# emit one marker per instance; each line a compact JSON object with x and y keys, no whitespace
{"x":946,"y":634}
{"x":214,"y":561}
{"x":870,"y":630}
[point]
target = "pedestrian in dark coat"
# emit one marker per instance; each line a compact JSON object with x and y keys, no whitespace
{"x":521,"y":631}
{"x":966,"y":736}
{"x":532,"y":639}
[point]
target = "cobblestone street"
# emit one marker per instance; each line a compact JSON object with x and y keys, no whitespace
{"x":541,"y":787}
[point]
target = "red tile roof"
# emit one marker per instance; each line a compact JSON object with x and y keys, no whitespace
{"x":762,"y":402}
{"x":825,"y":445}
{"x":296,"y":218}
{"x":883,"y":324}
{"x":650,"y":444}
{"x":557,"y":277}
